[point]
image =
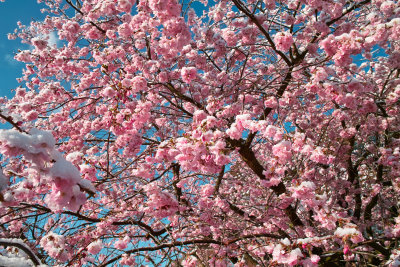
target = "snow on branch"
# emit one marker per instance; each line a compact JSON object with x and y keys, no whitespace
{"x":18,"y":243}
{"x":38,"y":149}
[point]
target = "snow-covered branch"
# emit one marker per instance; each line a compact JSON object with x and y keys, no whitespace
{"x":18,"y":243}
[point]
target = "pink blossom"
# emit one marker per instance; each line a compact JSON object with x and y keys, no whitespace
{"x":31,"y":115}
{"x":95,"y":247}
{"x":234,"y":132}
{"x":349,"y":232}
{"x":122,"y":243}
{"x":188,"y":74}
{"x":125,"y":5}
{"x":55,"y":245}
{"x":108,"y":92}
{"x":251,"y":133}
{"x":294,"y":257}
{"x":190,"y":261}
{"x":388,"y":7}
{"x":349,"y":132}
{"x":125,"y":30}
{"x":270,"y":4}
{"x":282,"y":150}
{"x":128,"y":260}
{"x":318,"y":156}
{"x":315,"y":258}
{"x":139,"y":84}
{"x":39,"y":43}
{"x":346,"y":250}
{"x":283,"y":41}
{"x":207,"y":190}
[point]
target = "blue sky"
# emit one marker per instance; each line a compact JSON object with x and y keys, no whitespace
{"x":12,"y":11}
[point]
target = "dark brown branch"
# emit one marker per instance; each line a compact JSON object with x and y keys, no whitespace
{"x":96,"y":220}
{"x":352,"y":173}
{"x":162,"y":246}
{"x":173,"y":90}
{"x":219,"y":180}
{"x":255,"y":236}
{"x":10,"y":121}
{"x":178,"y":191}
{"x":239,"y":211}
{"x":375,"y":245}
{"x":267,"y":111}
{"x":248,"y":156}
{"x":189,"y":242}
{"x":80,"y":12}
{"x":253,"y":18}
{"x":374,"y":200}
{"x":329,"y":23}
{"x":176,"y":105}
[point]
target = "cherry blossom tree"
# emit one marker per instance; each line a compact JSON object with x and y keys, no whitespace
{"x":205,"y":133}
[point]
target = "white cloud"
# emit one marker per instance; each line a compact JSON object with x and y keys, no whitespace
{"x":53,"y":39}
{"x":10,"y":60}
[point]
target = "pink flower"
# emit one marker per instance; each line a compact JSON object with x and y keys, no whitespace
{"x":124,"y":30}
{"x":388,"y":7}
{"x":199,"y":116}
{"x":346,"y":250}
{"x":123,"y":243}
{"x":349,"y":232}
{"x":315,"y":259}
{"x":329,"y":44}
{"x":69,"y":30}
{"x":207,"y":190}
{"x":128,"y":260}
{"x":31,"y":115}
{"x":320,"y":74}
{"x":161,"y":204}
{"x":108,"y":92}
{"x":95,"y":247}
{"x":270,"y":4}
{"x":271,"y":102}
{"x":39,"y":43}
{"x":125,"y":5}
{"x":139,"y":84}
{"x":230,"y":37}
{"x":283,"y":41}
{"x":348,"y":133}
{"x":282,"y":150}
{"x":234,"y":132}
{"x":165,"y":8}
{"x":318,"y":155}
{"x":270,"y":131}
{"x":93,"y":33}
{"x":304,"y":191}
{"x":294,"y":257}
{"x":190,"y":261}
{"x":55,"y":245}
{"x":188,"y":74}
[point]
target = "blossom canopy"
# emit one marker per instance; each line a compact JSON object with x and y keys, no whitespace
{"x":204,"y":133}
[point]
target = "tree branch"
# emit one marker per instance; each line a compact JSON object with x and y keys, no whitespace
{"x":248,"y":156}
{"x":252,"y":17}
{"x":13,"y":242}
